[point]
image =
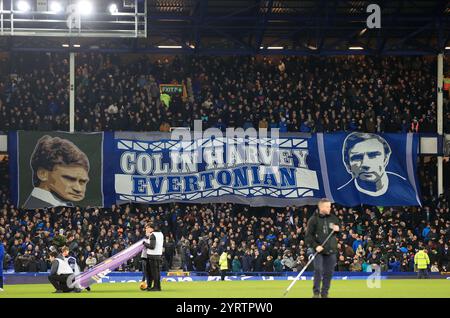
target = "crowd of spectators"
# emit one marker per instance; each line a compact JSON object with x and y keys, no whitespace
{"x":308,"y":94}
{"x":258,"y":239}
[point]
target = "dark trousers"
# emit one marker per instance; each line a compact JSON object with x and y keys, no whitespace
{"x":1,"y":276}
{"x":169,"y":260}
{"x":148,"y":274}
{"x":422,"y":273}
{"x":223,"y":273}
{"x":144,"y":270}
{"x":323,"y":272}
{"x":154,"y":266}
{"x":60,"y":282}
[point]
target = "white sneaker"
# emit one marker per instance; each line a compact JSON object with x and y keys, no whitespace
{"x":1,"y":289}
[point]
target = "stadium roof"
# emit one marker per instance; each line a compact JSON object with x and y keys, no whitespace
{"x":286,"y":27}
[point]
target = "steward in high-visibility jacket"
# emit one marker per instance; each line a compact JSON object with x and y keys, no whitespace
{"x":223,"y":263}
{"x":421,"y":260}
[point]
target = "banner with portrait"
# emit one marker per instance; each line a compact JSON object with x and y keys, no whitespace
{"x":50,"y":169}
{"x":151,"y":168}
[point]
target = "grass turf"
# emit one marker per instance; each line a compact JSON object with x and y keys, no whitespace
{"x":404,"y":288}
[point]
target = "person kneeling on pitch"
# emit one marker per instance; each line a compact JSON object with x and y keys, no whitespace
{"x":154,"y":253}
{"x":319,"y":227}
{"x":60,"y":273}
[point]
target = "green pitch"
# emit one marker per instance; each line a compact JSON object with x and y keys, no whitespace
{"x":245,"y":289}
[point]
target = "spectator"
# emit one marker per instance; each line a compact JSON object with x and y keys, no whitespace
{"x":268,"y":264}
{"x":288,"y":261}
{"x":91,"y":261}
{"x":169,"y":250}
{"x":214,"y":260}
{"x":247,"y":262}
{"x":300,"y":263}
{"x":236,"y":265}
{"x":356,"y":266}
{"x":426,"y":230}
{"x":343,"y":265}
{"x":434,"y":268}
{"x":394,"y":265}
{"x":214,"y":271}
{"x":356,"y":243}
{"x":257,"y":262}
{"x":277,"y":264}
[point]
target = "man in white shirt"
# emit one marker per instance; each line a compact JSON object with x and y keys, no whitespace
{"x":60,"y":273}
{"x":154,"y":252}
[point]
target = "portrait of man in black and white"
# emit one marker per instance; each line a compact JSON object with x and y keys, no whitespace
{"x":60,"y":173}
{"x":365,"y":157}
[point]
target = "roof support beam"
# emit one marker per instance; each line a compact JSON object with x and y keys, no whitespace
{"x":263,"y":25}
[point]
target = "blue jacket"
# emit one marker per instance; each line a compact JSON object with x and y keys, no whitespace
{"x":355,"y":245}
{"x":283,"y":126}
{"x":304,"y":128}
{"x":425,"y":231}
{"x":2,"y":254}
{"x":394,"y":266}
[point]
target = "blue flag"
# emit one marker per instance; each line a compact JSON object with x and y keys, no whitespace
{"x":363,"y":168}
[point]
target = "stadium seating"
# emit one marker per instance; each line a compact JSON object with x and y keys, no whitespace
{"x":294,"y":94}
{"x":262,"y":239}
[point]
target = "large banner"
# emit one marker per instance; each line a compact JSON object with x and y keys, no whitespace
{"x":101,"y":169}
{"x":50,"y":169}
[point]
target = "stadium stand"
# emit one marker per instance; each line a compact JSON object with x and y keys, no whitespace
{"x":259,"y":239}
{"x":307,"y":94}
